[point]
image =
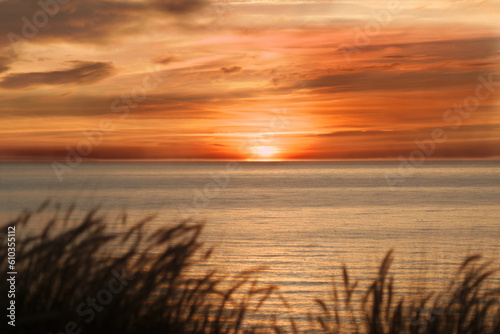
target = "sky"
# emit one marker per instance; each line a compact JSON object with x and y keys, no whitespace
{"x":249,"y":80}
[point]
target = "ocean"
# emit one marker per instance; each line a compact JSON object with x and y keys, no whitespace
{"x":302,"y":220}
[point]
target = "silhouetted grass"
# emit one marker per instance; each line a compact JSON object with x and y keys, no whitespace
{"x":467,"y":305}
{"x":70,"y":280}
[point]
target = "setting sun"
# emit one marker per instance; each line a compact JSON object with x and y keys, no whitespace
{"x":264,"y":152}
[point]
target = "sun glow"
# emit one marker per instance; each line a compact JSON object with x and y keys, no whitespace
{"x":265,"y":153}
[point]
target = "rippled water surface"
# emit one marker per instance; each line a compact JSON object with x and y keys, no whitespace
{"x":300,"y":219}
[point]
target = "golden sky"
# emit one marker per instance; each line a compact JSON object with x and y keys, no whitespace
{"x":274,"y":79}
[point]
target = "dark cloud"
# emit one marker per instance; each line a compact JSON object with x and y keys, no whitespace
{"x":479,"y":64}
{"x":469,"y":149}
{"x":165,"y":60}
{"x":451,"y":49}
{"x":456,"y":150}
{"x":464,"y":130}
{"x":164,"y":105}
{"x":177,"y":150}
{"x":82,"y":73}
{"x":232,"y":69}
{"x":371,"y":133}
{"x":3,"y":64}
{"x":396,"y":57}
{"x":83,"y":21}
{"x":383,"y":66}
{"x":7,"y":57}
{"x":395,"y":80}
{"x":179,"y":6}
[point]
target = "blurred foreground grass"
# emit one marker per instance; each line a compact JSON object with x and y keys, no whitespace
{"x":69,"y":280}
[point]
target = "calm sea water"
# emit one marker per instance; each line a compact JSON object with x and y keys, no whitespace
{"x":301,"y":219}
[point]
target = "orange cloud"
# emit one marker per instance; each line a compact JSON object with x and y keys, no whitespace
{"x":225,"y":72}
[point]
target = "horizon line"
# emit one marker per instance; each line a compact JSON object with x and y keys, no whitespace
{"x":441,"y":159}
